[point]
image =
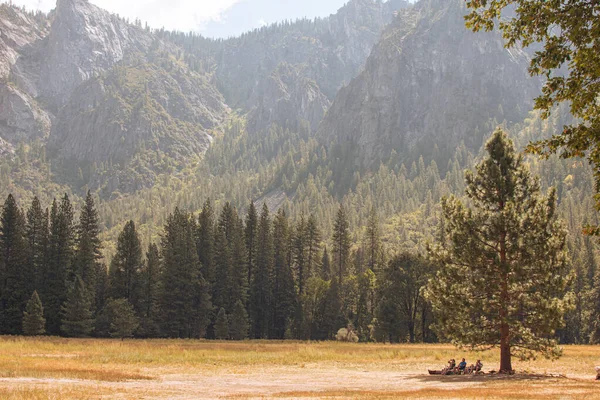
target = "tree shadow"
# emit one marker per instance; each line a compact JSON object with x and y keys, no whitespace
{"x":485,"y":378}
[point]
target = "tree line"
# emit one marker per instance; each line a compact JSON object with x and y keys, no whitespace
{"x":213,"y":275}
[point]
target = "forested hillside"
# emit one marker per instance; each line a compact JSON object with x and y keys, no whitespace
{"x":351,"y":129}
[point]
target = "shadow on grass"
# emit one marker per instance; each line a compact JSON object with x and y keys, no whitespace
{"x":486,"y":378}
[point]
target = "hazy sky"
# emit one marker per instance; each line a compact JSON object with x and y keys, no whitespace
{"x":215,"y":18}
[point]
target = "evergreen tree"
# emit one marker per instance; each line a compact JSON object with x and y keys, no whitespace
{"x":150,"y":297}
{"x":325,"y":265}
{"x":13,"y":277}
{"x":34,"y":323}
{"x":341,"y":244}
{"x":250,"y":236}
{"x":222,"y":325}
{"x":76,"y":313}
{"x":87,"y":252}
{"x":123,"y":321}
{"x":332,"y":317}
{"x":373,"y":242}
{"x":36,"y":232}
{"x":239,"y":269}
{"x":365,"y":304}
{"x":185,"y":301}
{"x":261,"y":290}
{"x":238,"y":322}
{"x":205,"y":242}
{"x":502,"y":277}
{"x":595,"y":310}
{"x":313,"y":246}
{"x":284,"y":291}
{"x":126,"y":266}
{"x":300,"y":256}
{"x":60,"y":253}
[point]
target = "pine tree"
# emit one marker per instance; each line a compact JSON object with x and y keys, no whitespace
{"x":76,"y":313}
{"x":34,"y":323}
{"x":185,"y":301}
{"x":261,"y":290}
{"x":126,"y":266}
{"x":36,"y":232}
{"x":313,"y":246}
{"x":250,"y":236}
{"x":205,"y":242}
{"x":373,"y":242}
{"x":88,"y":249}
{"x":238,"y":322}
{"x":13,"y":278}
{"x":60,"y":253}
{"x":222,"y":325}
{"x":239,"y":270}
{"x":299,"y":249}
{"x":150,"y":292}
{"x":503,"y":274}
{"x":595,"y":310}
{"x":341,"y":244}
{"x":325,"y":265}
{"x":284,"y":291}
{"x":123,"y":321}
{"x":365,"y":304}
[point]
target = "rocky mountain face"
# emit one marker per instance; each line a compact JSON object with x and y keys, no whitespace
{"x":102,"y":92}
{"x":428,"y":85}
{"x":116,"y":105}
{"x":320,"y":55}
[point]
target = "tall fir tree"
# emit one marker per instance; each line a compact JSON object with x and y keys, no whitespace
{"x":150,"y":292}
{"x":185,"y":301}
{"x":60,"y":256}
{"x":88,"y":248}
{"x":503,"y":275}
{"x":284,"y":290}
{"x":341,"y":244}
{"x":299,"y":250}
{"x":222,"y":325}
{"x":261,"y":289}
{"x":126,"y":266}
{"x":325,"y":265}
{"x":313,"y":246}
{"x":238,"y":322}
{"x":76,"y":313}
{"x":250,"y":237}
{"x":34,"y":323}
{"x":36,"y":232}
{"x":373,"y":242}
{"x":14,"y":279}
{"x":205,"y":242}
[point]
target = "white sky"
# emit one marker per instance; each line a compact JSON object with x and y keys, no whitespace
{"x":217,"y":18}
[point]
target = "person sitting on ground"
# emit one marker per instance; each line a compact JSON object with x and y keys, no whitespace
{"x":478,"y":366}
{"x":450,"y":368}
{"x":462,"y":366}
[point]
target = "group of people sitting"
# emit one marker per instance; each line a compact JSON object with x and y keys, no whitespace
{"x":462,"y":368}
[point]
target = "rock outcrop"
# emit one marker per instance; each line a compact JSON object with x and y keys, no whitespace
{"x":429,"y":85}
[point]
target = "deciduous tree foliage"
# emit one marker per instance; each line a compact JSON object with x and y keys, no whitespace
{"x":570,"y":35}
{"x":503,"y":272}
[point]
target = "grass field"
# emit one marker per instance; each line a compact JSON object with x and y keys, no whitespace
{"x":53,"y":368}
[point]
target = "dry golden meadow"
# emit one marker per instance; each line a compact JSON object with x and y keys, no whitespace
{"x":53,"y":368}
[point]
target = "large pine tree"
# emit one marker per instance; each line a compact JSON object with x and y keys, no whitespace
{"x":185,"y":301}
{"x":14,"y":281}
{"x":60,"y":256}
{"x":261,"y":289}
{"x":341,"y":244}
{"x":36,"y":232}
{"x":126,"y":266}
{"x":88,"y":248}
{"x":76,"y":313}
{"x":205,"y":242}
{"x":503,"y":273}
{"x":150,"y":291}
{"x":250,"y":237}
{"x":284,"y":290}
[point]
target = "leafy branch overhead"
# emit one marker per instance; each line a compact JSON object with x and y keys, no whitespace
{"x":569,"y":59}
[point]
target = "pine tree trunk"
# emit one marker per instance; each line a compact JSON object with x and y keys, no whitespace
{"x":505,"y":356}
